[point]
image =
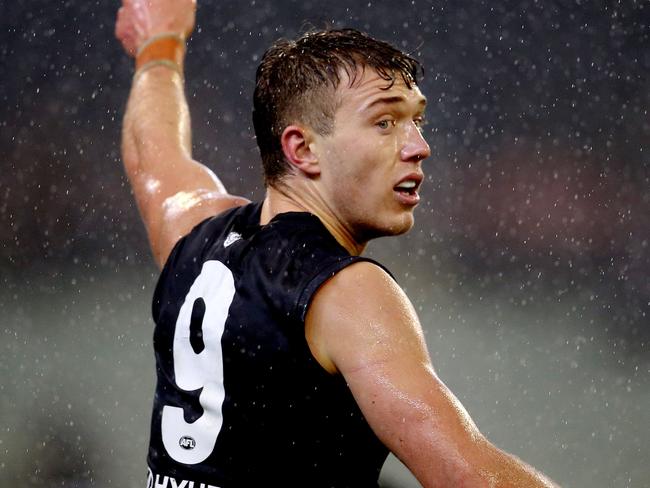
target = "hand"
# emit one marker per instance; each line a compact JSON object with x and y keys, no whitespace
{"x":138,"y":20}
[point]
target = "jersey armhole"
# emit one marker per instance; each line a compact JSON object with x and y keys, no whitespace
{"x":324,"y":274}
{"x":176,"y":251}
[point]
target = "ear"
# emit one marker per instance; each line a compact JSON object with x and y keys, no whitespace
{"x":297,"y":149}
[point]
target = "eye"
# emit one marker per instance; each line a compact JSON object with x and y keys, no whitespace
{"x":385,"y":124}
{"x":420,"y":122}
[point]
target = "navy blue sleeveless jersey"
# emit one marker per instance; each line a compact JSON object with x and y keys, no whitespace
{"x":240,"y":401}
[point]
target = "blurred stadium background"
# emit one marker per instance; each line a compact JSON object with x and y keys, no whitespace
{"x":529,"y":263}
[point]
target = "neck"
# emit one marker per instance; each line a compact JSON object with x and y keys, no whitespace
{"x":292,"y":195}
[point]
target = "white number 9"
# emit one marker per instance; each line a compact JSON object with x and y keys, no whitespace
{"x":192,"y":443}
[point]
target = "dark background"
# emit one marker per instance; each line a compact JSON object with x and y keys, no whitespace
{"x":528,"y":265}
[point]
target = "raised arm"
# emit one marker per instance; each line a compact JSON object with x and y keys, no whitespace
{"x":173,"y":191}
{"x":362,"y":325}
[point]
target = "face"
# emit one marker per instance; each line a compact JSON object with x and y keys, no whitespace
{"x":371,"y":162}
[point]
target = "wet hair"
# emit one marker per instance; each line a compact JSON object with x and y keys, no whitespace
{"x":296,"y":83}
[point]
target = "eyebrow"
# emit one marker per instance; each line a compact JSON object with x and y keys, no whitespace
{"x":396,"y":99}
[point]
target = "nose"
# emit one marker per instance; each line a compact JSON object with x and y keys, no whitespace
{"x":415,"y":148}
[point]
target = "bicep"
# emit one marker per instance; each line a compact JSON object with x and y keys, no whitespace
{"x":373,"y":338}
{"x":420,"y":420}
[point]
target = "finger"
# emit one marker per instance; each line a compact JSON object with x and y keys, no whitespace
{"x":122,"y":30}
{"x":142,"y":24}
{"x":128,"y":40}
{"x":120,"y":25}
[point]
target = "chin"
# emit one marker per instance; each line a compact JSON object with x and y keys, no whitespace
{"x":404,"y":226}
{"x":398,"y":226}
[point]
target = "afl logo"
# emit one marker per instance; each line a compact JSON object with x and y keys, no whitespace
{"x":187,"y":442}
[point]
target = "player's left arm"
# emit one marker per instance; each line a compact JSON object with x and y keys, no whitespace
{"x":362,"y":325}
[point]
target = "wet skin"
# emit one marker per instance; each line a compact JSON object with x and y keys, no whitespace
{"x":376,"y":145}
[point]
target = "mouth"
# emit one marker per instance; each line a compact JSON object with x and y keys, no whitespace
{"x":407,"y":189}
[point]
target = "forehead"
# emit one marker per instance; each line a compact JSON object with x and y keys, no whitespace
{"x":364,"y":87}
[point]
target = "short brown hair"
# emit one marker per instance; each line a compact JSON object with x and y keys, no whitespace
{"x":296,"y":82}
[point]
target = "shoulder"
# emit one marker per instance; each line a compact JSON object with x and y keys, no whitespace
{"x":362,"y":288}
{"x":357,"y":316}
{"x":181,"y":213}
{"x":208,"y":233}
{"x":292,"y":256}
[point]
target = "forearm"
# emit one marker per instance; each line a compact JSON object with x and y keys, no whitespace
{"x":467,"y":460}
{"x":156,"y":132}
{"x":471,"y":462}
{"x":156,"y":138}
{"x":504,"y":470}
{"x":156,"y":150}
{"x":455,"y":453}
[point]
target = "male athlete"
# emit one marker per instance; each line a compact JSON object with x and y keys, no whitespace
{"x":283,"y":357}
